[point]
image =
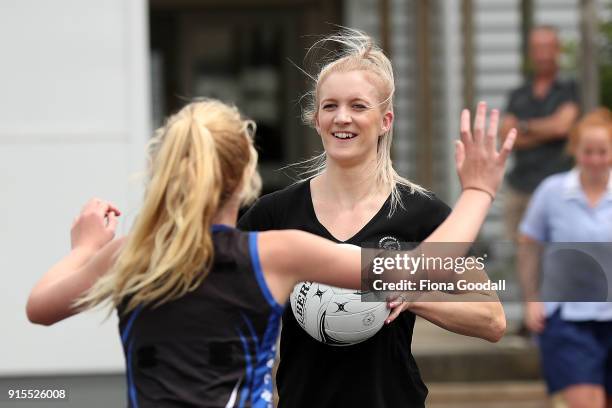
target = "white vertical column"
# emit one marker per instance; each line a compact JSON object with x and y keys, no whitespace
{"x":74,"y":120}
{"x":453,"y":83}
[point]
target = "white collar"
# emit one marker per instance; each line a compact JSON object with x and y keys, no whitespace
{"x":573,"y":188}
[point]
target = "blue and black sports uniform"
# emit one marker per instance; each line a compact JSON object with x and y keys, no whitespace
{"x":214,"y":346}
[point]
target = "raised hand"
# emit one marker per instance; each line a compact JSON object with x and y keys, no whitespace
{"x":480,"y":165}
{"x":95,"y":225}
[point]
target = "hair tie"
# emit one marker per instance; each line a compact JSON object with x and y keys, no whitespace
{"x":481,"y":189}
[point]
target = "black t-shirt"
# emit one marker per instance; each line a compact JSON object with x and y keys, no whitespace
{"x":531,"y":166}
{"x":380,"y":372}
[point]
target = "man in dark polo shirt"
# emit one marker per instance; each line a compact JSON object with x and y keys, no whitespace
{"x":543,"y":110}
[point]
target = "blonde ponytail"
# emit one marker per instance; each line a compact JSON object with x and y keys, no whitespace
{"x":198,"y":160}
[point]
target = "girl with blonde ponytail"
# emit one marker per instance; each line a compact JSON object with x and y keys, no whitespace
{"x":199,"y":301}
{"x":199,"y":159}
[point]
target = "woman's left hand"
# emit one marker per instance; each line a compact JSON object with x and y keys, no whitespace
{"x":479,"y":164}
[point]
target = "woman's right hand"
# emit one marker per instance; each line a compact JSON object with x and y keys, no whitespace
{"x":479,"y":165}
{"x":95,"y":226}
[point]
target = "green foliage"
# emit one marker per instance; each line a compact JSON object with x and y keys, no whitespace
{"x":570,"y":58}
{"x":605,"y":61}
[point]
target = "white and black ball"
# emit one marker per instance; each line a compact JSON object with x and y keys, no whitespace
{"x":336,"y":316}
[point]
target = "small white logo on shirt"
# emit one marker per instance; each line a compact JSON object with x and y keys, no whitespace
{"x":390,"y":243}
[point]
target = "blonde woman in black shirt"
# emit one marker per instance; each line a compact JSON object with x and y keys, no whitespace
{"x":355,"y":196}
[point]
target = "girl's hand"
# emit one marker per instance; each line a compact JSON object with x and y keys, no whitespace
{"x":397,"y":306}
{"x":479,"y":165}
{"x":535,"y":316}
{"x":95,"y":226}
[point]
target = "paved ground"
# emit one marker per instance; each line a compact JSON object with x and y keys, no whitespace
{"x":466,"y":372}
{"x":488,"y":395}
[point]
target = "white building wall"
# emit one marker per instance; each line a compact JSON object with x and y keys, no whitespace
{"x":74,"y":120}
